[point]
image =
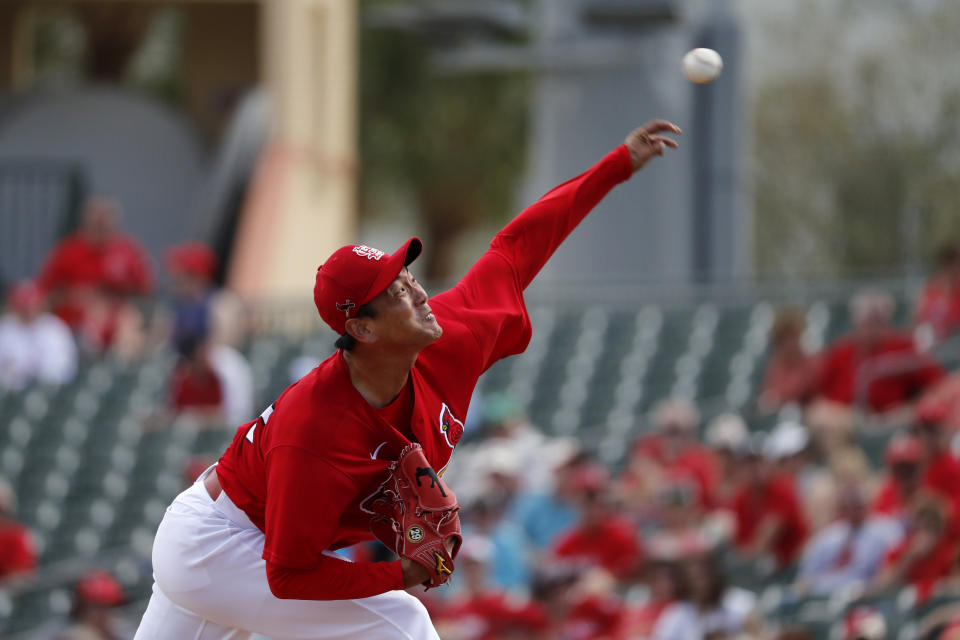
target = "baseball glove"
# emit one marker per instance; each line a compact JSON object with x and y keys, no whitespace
{"x":415,"y":513}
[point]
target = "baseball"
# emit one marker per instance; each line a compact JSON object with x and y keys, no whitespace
{"x":702,"y":65}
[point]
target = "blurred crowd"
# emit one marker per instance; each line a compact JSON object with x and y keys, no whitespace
{"x":558,"y":545}
{"x":680,"y":541}
{"x":95,"y":296}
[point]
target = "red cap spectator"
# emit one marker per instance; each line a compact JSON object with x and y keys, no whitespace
{"x":192,"y":258}
{"x":95,"y":596}
{"x":942,"y":469}
{"x":904,"y":449}
{"x":927,"y":554}
{"x":857,"y":366}
{"x":99,"y":587}
{"x":588,"y":478}
{"x":91,"y":275}
{"x":768,"y":512}
{"x":931,"y":411}
{"x":939,"y":303}
{"x":603,"y":537}
{"x":673,"y":449}
{"x":792,"y":371}
{"x":907,"y":479}
{"x":25,"y":298}
{"x":17,"y":553}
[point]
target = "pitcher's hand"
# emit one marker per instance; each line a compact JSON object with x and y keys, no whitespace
{"x":646,"y":142}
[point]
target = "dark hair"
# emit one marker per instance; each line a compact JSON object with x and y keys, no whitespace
{"x":716,"y":580}
{"x":677,"y":576}
{"x":787,"y":321}
{"x":346,"y":342}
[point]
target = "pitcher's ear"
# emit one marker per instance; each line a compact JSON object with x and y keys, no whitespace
{"x":360,"y":330}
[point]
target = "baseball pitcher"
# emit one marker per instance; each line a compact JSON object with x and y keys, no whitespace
{"x":356,"y":449}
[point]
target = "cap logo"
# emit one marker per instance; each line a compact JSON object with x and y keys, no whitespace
{"x":369,"y":253}
{"x":345,"y":306}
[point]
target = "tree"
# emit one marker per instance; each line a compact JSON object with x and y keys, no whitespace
{"x":455,"y":144}
{"x":855,"y":121}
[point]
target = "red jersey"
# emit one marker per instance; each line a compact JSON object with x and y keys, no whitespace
{"x":939,"y":306}
{"x":194,"y":387}
{"x":891,"y":502}
{"x":789,"y":380}
{"x":75,"y":265}
{"x":696,"y":463}
{"x":493,"y":615}
{"x":301,"y":470}
{"x":640,"y":621}
{"x":943,"y":474}
{"x":17,"y":552}
{"x":589,"y":618}
{"x":943,"y":399}
{"x":839,"y":378}
{"x":612,"y":545}
{"x":778,"y":499}
{"x":926,"y":571}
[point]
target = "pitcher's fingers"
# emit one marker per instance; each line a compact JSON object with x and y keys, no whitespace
{"x":657,"y":126}
{"x":667,"y":141}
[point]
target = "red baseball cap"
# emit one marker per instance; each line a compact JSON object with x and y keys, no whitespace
{"x":26,"y":297}
{"x":99,"y":587}
{"x":192,"y":257}
{"x":589,"y":478}
{"x":931,"y":411}
{"x":356,"y":274}
{"x":904,"y":448}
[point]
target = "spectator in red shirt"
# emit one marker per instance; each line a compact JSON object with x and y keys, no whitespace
{"x":95,"y":598}
{"x":726,"y":434}
{"x":942,"y":403}
{"x":192,"y":267}
{"x":909,"y":483}
{"x":875,"y":363}
{"x":939,"y":304}
{"x":603,"y":537}
{"x":17,"y":553}
{"x":194,"y":386}
{"x":578,"y":606}
{"x":681,"y":531}
{"x":91,"y":274}
{"x":903,"y":482}
{"x":481,"y":612}
{"x":769,"y":515}
{"x":927,"y":555}
{"x":200,"y":313}
{"x":942,"y":468}
{"x":671,"y":451}
{"x":792,"y":371}
{"x":667,"y":586}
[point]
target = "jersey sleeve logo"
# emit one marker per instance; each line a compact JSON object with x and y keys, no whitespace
{"x":451,"y":427}
{"x":262,"y":419}
{"x":369,"y":253}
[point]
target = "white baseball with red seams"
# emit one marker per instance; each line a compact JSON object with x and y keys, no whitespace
{"x":702,"y":65}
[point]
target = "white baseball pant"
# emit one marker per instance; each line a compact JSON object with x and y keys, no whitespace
{"x":210,"y":583}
